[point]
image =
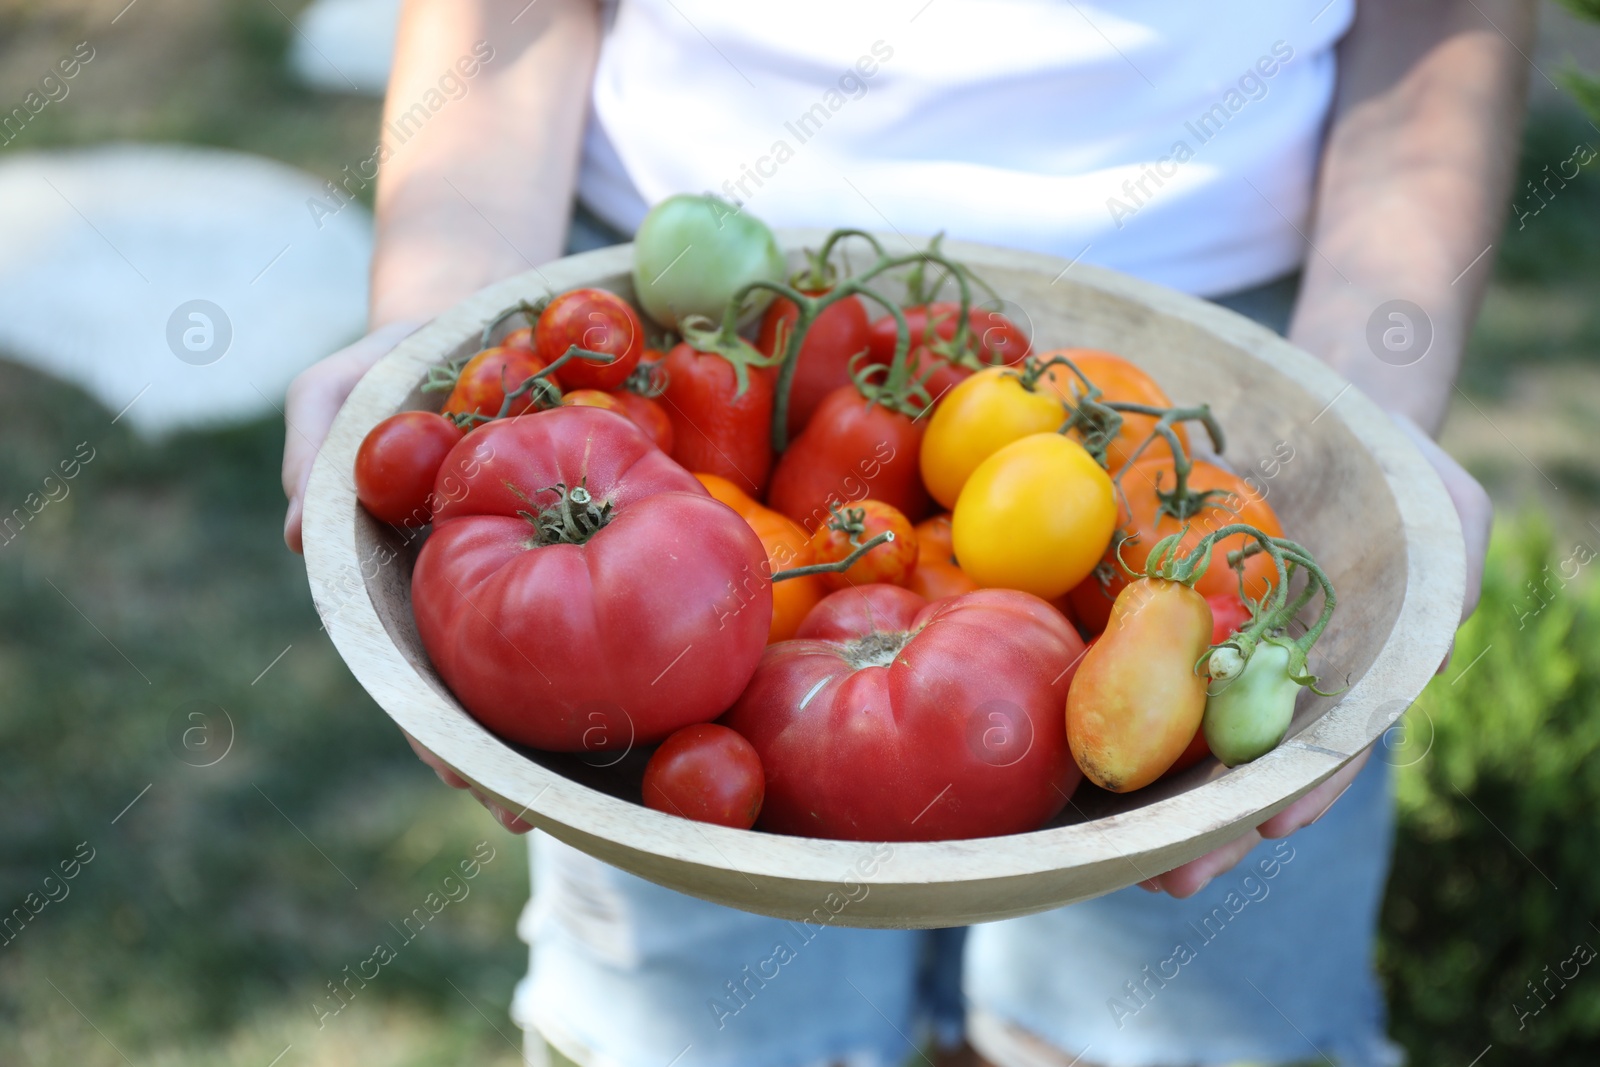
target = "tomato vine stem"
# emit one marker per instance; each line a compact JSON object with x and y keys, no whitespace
{"x":838,"y":566}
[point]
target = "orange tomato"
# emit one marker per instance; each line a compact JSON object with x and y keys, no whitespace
{"x":934,"y":544}
{"x":1137,"y":700}
{"x":1141,"y":516}
{"x":933,"y":580}
{"x":1121,"y":380}
{"x":892,"y":562}
{"x":724,"y":490}
{"x":593,"y":398}
{"x":787,"y":547}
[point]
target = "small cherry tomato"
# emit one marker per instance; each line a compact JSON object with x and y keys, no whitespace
{"x":853,"y":525}
{"x":521,"y":337}
{"x":648,"y":415}
{"x":1137,"y":700}
{"x":1036,"y":516}
{"x":937,"y":581}
{"x":933,"y":540}
{"x":593,"y":398}
{"x":595,"y":320}
{"x":707,"y":773}
{"x":397,"y":463}
{"x":487,"y":377}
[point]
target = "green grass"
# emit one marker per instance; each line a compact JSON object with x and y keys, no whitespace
{"x":217,"y":908}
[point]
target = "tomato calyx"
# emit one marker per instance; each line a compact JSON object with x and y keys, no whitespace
{"x":724,"y":340}
{"x":572,"y":519}
{"x":648,"y":380}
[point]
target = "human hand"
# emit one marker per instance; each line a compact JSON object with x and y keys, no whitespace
{"x":1476,"y":513}
{"x":452,"y":778}
{"x":314,"y":398}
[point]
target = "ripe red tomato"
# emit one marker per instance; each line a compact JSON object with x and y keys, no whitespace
{"x":851,"y":449}
{"x":488,"y":376}
{"x":892,"y":719}
{"x":716,"y":428}
{"x":521,"y":337}
{"x":840,"y":332}
{"x":397,"y":463}
{"x":642,"y":609}
{"x":889,"y":563}
{"x":648,"y":415}
{"x":708,"y":773}
{"x":598,"y":321}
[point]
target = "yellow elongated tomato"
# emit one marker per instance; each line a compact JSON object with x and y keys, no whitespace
{"x":1136,"y":701}
{"x":1037,"y":515}
{"x":977,"y":418}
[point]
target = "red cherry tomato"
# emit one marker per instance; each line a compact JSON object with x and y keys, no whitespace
{"x":708,"y":773}
{"x":487,"y":377}
{"x":855,"y":524}
{"x":850,"y":450}
{"x":593,"y":398}
{"x":892,"y":719}
{"x":839,"y":333}
{"x":598,"y":321}
{"x":648,"y":415}
{"x":397,"y":463}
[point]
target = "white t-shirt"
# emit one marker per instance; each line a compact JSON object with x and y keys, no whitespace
{"x":1170,"y":139}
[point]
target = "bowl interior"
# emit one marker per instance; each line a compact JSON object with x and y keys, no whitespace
{"x":1266,"y":416}
{"x":1341,"y":478}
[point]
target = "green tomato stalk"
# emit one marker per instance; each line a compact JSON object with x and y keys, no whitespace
{"x":1257,"y":674}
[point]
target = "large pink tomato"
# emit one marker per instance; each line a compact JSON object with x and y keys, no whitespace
{"x":581,"y":591}
{"x":889,"y":718}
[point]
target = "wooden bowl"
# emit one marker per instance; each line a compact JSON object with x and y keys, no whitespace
{"x":1356,"y":492}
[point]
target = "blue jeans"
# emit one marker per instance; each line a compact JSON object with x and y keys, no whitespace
{"x":1271,"y":963}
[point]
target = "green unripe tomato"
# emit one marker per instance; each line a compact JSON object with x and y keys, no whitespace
{"x":1247,"y":717}
{"x":692,"y":253}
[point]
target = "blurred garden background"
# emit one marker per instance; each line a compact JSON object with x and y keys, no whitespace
{"x":218,"y":902}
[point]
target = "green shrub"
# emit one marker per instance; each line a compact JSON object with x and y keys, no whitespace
{"x":1496,"y":881}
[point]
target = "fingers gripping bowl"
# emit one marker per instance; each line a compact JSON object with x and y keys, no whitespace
{"x":1357,"y":493}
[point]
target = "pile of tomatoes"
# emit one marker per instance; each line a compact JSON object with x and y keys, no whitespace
{"x":841,"y":567}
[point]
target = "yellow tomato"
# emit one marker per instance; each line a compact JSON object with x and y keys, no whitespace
{"x":985,"y":412}
{"x":1037,"y":515}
